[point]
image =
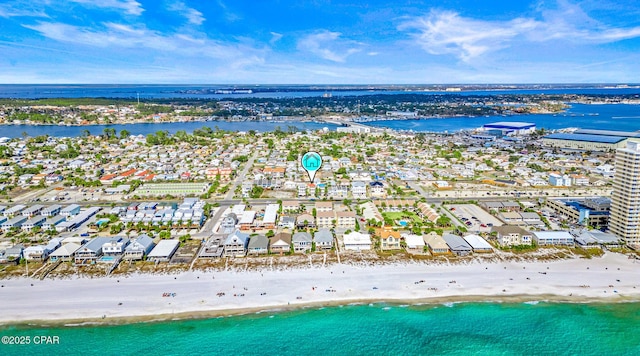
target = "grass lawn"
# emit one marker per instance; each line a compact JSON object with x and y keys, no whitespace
{"x":402,"y":216}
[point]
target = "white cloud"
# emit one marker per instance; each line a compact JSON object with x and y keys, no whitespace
{"x":228,"y":14}
{"x":275,"y":37}
{"x":130,"y":7}
{"x":192,"y":15}
{"x":328,"y":45}
{"x":446,"y":32}
{"x":7,"y":11}
{"x":115,"y":35}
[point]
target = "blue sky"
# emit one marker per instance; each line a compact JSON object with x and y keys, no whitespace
{"x":319,"y":41}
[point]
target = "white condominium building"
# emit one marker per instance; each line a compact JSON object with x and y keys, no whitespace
{"x":625,"y":202}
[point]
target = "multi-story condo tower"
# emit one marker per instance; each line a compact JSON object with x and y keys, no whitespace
{"x":625,"y":203}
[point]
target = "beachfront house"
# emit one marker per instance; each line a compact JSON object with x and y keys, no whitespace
{"x":12,"y":255}
{"x":64,"y":253}
{"x":280,"y":243}
{"x":323,"y":239}
{"x":89,"y":253}
{"x":163,"y":251}
{"x":508,"y":235}
{"x":436,"y":244}
{"x":356,"y":241}
{"x":302,"y":241}
{"x":390,"y":240}
{"x":478,"y":244}
{"x":235,"y":245}
{"x":139,"y":248}
{"x":415,"y":243}
{"x":457,"y":244}
{"x":258,"y":245}
{"x":553,"y":238}
{"x":115,"y":246}
{"x":41,"y":252}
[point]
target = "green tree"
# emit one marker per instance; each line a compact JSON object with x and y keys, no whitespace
{"x":109,"y":132}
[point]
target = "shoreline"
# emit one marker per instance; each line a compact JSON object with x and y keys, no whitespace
{"x":612,"y":278}
{"x":211,"y":314}
{"x":155,"y":122}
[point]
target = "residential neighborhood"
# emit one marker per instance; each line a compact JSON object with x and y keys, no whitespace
{"x":192,"y":199}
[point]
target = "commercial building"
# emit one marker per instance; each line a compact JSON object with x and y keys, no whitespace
{"x":596,"y":238}
{"x":175,"y":189}
{"x":625,"y":201}
{"x":505,"y":128}
{"x":592,"y":211}
{"x":589,"y":140}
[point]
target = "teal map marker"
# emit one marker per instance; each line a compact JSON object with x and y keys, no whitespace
{"x":311,"y":162}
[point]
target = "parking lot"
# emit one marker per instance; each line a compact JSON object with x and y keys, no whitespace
{"x":474,"y":218}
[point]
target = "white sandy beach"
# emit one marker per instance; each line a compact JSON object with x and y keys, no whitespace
{"x":612,"y":278}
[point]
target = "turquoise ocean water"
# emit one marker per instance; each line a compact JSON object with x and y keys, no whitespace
{"x":378,"y":329}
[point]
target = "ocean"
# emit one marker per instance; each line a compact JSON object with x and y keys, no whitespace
{"x":374,"y":329}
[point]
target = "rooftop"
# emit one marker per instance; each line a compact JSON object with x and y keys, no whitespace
{"x":510,"y":125}
{"x":586,"y":137}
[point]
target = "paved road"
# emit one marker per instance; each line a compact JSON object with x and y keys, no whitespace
{"x":241,"y":176}
{"x":28,"y":196}
{"x":207,"y":229}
